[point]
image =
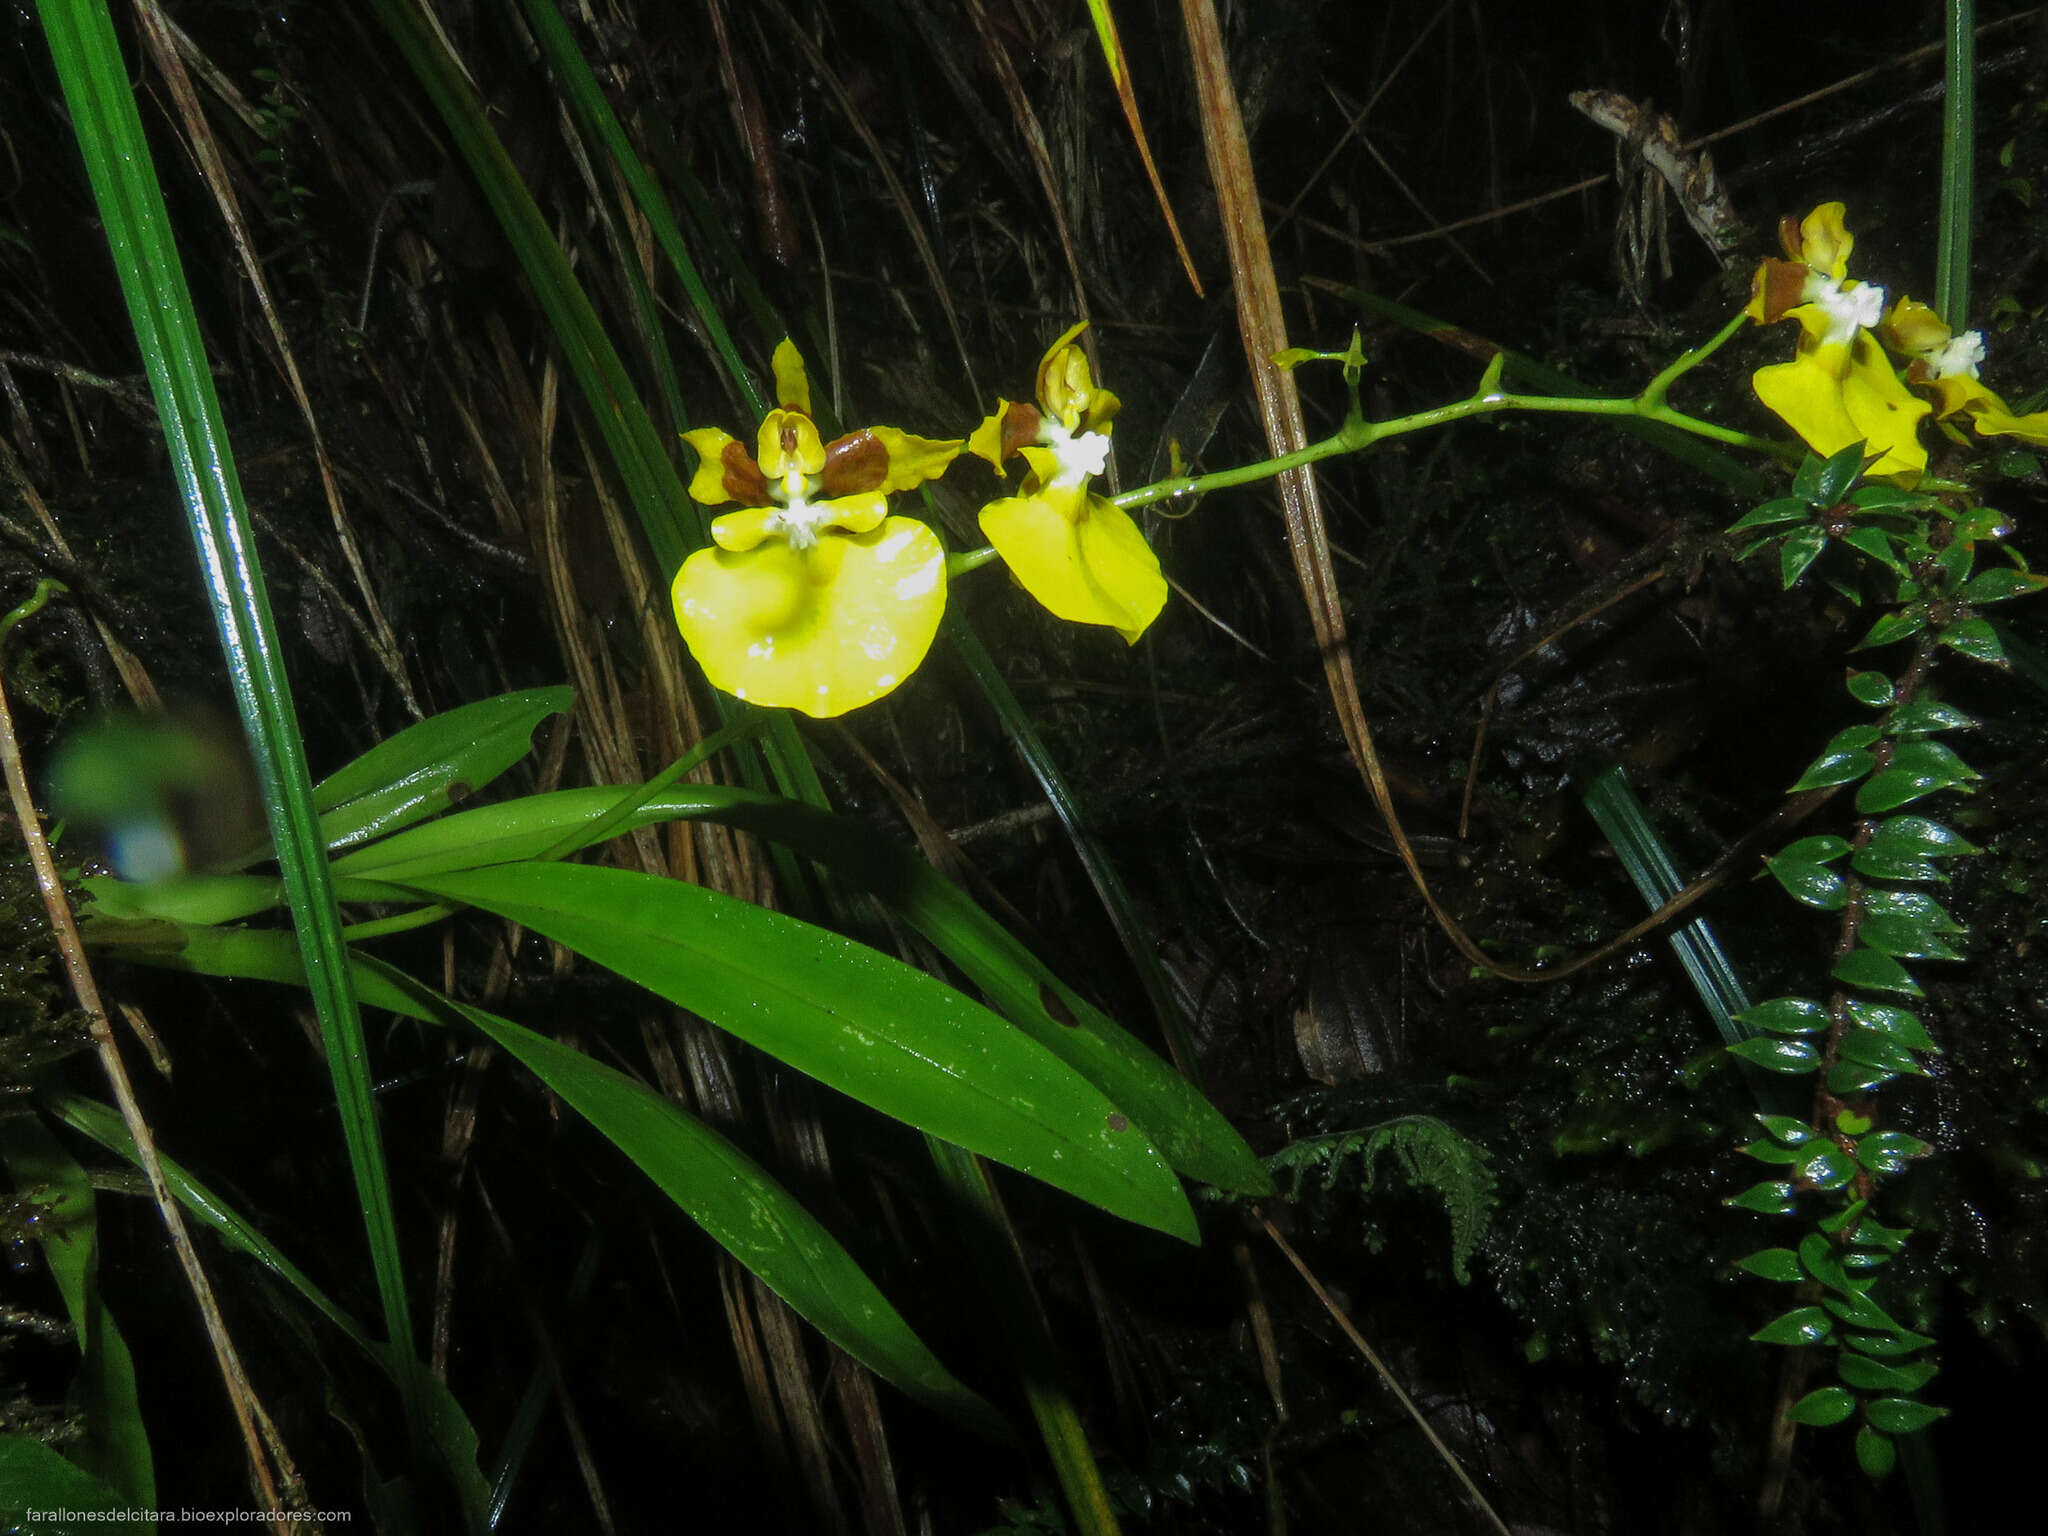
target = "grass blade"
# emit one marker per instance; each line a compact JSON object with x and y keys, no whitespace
{"x":131,"y":206}
{"x":1958,"y":166}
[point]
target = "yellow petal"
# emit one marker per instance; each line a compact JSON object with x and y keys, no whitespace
{"x":719,"y":477}
{"x":1044,"y":465}
{"x":1885,"y":414}
{"x":1992,"y":419}
{"x":742,"y":530}
{"x":861,"y":512}
{"x":1066,"y":389}
{"x":1913,"y":328}
{"x":823,"y":630}
{"x":792,"y":384}
{"x":1055,"y":379}
{"x":1090,"y":568}
{"x":1824,"y":241}
{"x":789,"y":441}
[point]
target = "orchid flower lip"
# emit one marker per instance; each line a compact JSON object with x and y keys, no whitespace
{"x":1081,"y":455}
{"x":1959,"y":355}
{"x":1849,"y":307}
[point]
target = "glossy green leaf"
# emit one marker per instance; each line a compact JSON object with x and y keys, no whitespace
{"x":1875,"y":543}
{"x":114,"y":1447}
{"x":1773,"y":1197}
{"x":1849,"y":736}
{"x":1892,"y":1344}
{"x":1802,"y":1325}
{"x":32,"y":1476}
{"x":1893,"y":626}
{"x":1784,"y":1128}
{"x":1822,"y":1407}
{"x":1774,"y":1054}
{"x":1786,"y":1016}
{"x":1901,"y":1024}
{"x":847,"y":1015}
{"x":1918,"y":767}
{"x":1871,"y":688}
{"x":1834,"y":768}
{"x":1812,"y":885}
{"x":1914,"y":906}
{"x":1976,"y":639}
{"x":2000,"y":584}
{"x":1871,"y":1232}
{"x":1889,"y":1152}
{"x":1849,"y":1123}
{"x":1864,"y":1261}
{"x":1881,"y":497}
{"x":1774,"y":1153}
{"x":1905,"y":938}
{"x":1195,"y":1137}
{"x":1786,"y":509}
{"x":736,"y":1202}
{"x":1878,"y":1049}
{"x":1824,"y":482}
{"x":1923,"y":717}
{"x":1869,"y":1375}
{"x":1820,"y":1260}
{"x":1901,"y":1415}
{"x":726,"y":1193}
{"x":1921,"y":835}
{"x":1825,"y":849}
{"x":1780,"y":1264}
{"x":1875,"y":1454}
{"x":427,"y":767}
{"x":1828,"y":1167}
{"x":1859,"y":1311}
{"x":1874,"y":972}
{"x":1799,"y":549}
{"x":1852,"y":1077}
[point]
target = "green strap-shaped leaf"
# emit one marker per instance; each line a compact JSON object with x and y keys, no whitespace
{"x":115,"y":1448}
{"x":733,"y":1199}
{"x":32,"y":1476}
{"x":430,"y":766}
{"x":1193,"y":1134}
{"x":849,"y":1016}
{"x":454,"y":1437}
{"x":737,"y":1203}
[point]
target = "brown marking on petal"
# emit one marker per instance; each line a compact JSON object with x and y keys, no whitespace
{"x":744,"y":482}
{"x":853,"y":463}
{"x":1022,"y":423}
{"x":1117,"y":1122}
{"x":1056,"y":1006}
{"x":1779,"y":286}
{"x":1790,"y":238}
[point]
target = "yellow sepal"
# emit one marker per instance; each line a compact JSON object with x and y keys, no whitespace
{"x":792,"y":384}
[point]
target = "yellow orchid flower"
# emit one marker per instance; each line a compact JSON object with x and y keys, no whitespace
{"x":813,"y":597}
{"x":1839,"y":387}
{"x":1945,"y":365}
{"x":1078,"y":553}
